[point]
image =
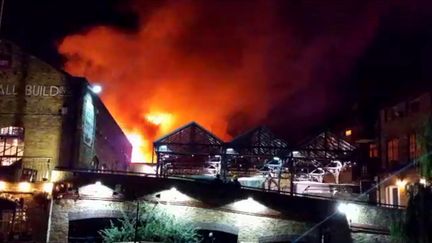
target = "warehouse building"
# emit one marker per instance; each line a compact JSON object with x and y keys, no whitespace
{"x":48,"y":121}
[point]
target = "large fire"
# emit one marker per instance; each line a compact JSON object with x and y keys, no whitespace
{"x":142,"y":146}
{"x":222,"y":64}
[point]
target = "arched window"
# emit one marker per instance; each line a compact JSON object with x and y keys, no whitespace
{"x":11,"y":145}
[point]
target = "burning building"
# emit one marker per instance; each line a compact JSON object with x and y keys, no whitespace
{"x":48,"y":120}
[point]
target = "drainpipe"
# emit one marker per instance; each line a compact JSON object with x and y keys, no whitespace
{"x":136,"y":222}
{"x":49,"y":221}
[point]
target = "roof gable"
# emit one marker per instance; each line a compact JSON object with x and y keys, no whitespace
{"x":327,"y":145}
{"x":259,"y":141}
{"x":191,"y":138}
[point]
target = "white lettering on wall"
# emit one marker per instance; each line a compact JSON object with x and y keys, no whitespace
{"x":33,"y":90}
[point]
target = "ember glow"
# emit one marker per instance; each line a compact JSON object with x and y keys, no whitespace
{"x":222,"y":65}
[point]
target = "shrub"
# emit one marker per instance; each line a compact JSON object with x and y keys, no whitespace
{"x":154,"y":224}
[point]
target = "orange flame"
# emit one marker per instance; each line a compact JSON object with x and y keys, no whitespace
{"x":141,"y":146}
{"x":139,"y":153}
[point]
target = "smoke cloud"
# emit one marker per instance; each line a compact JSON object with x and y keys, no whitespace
{"x":224,"y":64}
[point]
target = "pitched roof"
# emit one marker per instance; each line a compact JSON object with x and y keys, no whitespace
{"x":259,"y":140}
{"x":327,"y":145}
{"x":191,"y":138}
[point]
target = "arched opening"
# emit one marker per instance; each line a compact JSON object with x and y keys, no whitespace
{"x":87,"y":230}
{"x":214,"y":233}
{"x":85,"y":226}
{"x":215,"y":236}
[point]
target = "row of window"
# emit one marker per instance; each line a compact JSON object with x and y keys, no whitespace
{"x":402,"y":110}
{"x":393,"y":149}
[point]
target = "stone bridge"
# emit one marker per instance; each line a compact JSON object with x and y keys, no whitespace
{"x":246,"y":215}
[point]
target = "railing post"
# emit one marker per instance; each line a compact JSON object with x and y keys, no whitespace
{"x":291,"y":161}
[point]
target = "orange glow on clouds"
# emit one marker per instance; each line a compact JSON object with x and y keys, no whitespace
{"x":202,"y":61}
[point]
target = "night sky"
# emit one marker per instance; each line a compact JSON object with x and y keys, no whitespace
{"x":390,"y":54}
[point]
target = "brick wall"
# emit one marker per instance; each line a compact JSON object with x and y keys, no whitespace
{"x":251,"y":228}
{"x":28,"y":101}
{"x":49,"y":105}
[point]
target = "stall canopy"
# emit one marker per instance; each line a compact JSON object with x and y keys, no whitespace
{"x":259,"y":141}
{"x":190,"y":139}
{"x":326,"y":146}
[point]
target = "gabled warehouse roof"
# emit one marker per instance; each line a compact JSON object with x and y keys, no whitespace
{"x":191,"y":138}
{"x":327,"y":145}
{"x":259,"y":141}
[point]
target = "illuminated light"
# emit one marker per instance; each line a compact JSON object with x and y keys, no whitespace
{"x":48,"y":187}
{"x":96,"y":190}
{"x":148,"y":169}
{"x":351,"y":211}
{"x":97,"y":89}
{"x":230,"y":151}
{"x":163,"y":148}
{"x":249,"y":205}
{"x":56,"y":176}
{"x":423,"y":181}
{"x":173,"y":195}
{"x":276,"y":158}
{"x":2,"y":185}
{"x":401,"y":183}
{"x":24,"y":186}
{"x":348,"y":132}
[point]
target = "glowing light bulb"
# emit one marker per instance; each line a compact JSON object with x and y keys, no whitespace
{"x":2,"y":186}
{"x":401,"y":183}
{"x":48,"y":187}
{"x":97,"y":89}
{"x":24,"y":186}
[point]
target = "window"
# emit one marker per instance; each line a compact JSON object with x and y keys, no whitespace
{"x":12,"y":131}
{"x":373,"y":150}
{"x":414,"y":150}
{"x":348,"y":132}
{"x":11,"y":145}
{"x":393,"y":150}
{"x":28,"y":175}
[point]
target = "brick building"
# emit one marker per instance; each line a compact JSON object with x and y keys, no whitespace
{"x":400,"y":126}
{"x":48,"y":120}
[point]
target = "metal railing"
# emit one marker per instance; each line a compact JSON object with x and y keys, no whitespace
{"x":262,"y":189}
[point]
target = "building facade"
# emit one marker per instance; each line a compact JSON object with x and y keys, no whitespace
{"x":401,"y":126}
{"x":48,"y":120}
